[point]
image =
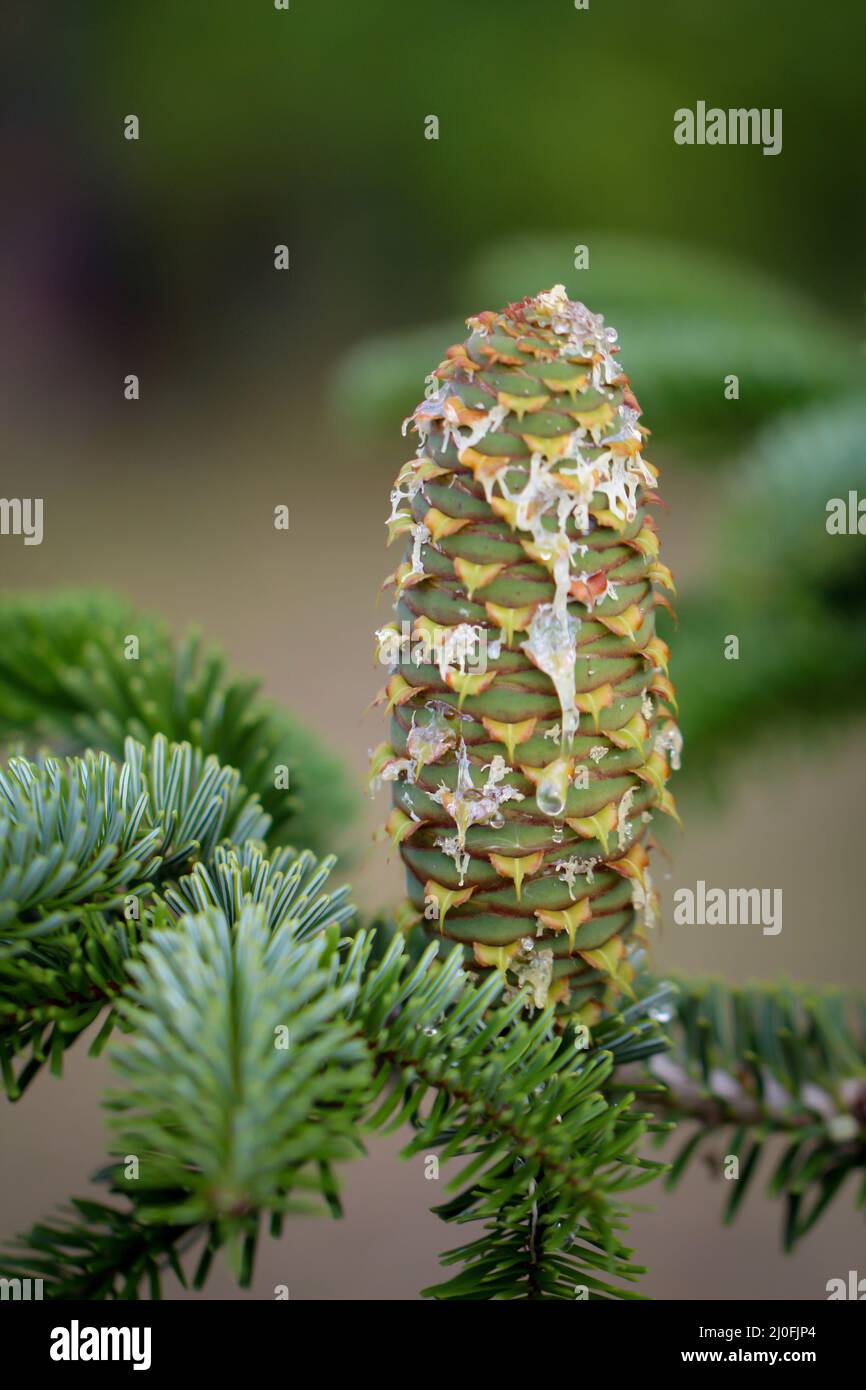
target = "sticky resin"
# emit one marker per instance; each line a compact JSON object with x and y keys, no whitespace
{"x":533,"y":968}
{"x":552,"y":646}
{"x":429,"y":741}
{"x":469,"y":805}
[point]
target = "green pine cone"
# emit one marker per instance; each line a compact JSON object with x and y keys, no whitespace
{"x":531,"y":713}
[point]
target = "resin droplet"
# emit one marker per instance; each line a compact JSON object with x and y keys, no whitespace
{"x":535,"y":969}
{"x":553,"y":788}
{"x":552,"y":646}
{"x":662,"y":1013}
{"x":427,"y":742}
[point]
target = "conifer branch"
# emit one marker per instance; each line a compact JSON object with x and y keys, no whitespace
{"x":65,"y":675}
{"x":264,"y":1030}
{"x":242,"y":1083}
{"x":94,"y":1251}
{"x":85,"y":845}
{"x":768,"y":1062}
{"x":548,"y":1155}
{"x":228,"y":1129}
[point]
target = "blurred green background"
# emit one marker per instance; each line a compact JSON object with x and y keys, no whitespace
{"x":261,"y":387}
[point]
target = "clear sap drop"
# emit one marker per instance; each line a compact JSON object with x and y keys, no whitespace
{"x":662,"y":1013}
{"x":552,"y":646}
{"x":551,"y":802}
{"x":553,"y":789}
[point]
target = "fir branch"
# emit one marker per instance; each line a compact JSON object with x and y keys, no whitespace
{"x":236,"y":978}
{"x":68,"y":836}
{"x":51,"y":994}
{"x":538,"y":1257}
{"x":767,"y":1062}
{"x":243,"y":1085}
{"x":95,"y":1251}
{"x":64,"y":674}
{"x":88,"y":832}
{"x":84,"y":845}
{"x":288,"y":886}
{"x":227,"y":1128}
{"x":548,"y":1154}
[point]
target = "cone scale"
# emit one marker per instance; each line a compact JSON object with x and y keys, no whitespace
{"x":532,"y":721}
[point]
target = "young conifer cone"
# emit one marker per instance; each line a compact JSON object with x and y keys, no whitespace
{"x":532,"y":717}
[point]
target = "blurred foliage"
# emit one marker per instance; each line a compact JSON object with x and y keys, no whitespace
{"x":686,"y":319}
{"x":791,"y":592}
